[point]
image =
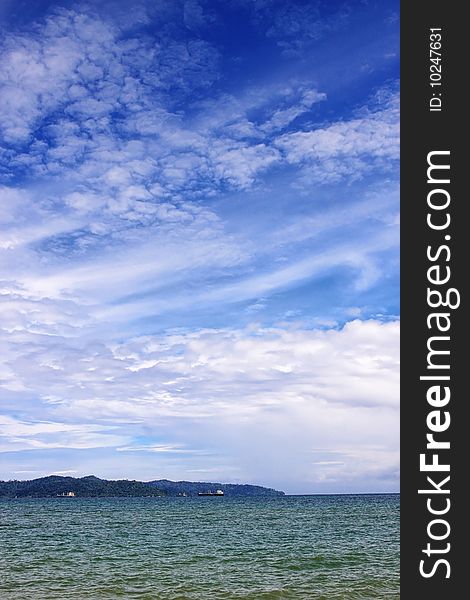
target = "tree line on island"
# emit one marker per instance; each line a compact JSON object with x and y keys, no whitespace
{"x":94,"y":487}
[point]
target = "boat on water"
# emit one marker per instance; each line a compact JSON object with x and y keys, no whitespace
{"x":216,"y":493}
{"x":66,"y":495}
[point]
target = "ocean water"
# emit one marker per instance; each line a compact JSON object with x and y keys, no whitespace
{"x":305,"y":547}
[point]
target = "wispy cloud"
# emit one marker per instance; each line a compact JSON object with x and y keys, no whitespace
{"x":17,"y":435}
{"x":347,"y":149}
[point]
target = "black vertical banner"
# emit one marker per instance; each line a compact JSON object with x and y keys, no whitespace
{"x":434,"y":253}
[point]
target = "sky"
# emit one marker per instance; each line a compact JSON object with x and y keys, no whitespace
{"x":199,"y":259}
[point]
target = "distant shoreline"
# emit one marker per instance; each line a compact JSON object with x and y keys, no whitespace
{"x":55,"y":486}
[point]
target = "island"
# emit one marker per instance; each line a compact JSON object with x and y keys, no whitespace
{"x":55,"y":486}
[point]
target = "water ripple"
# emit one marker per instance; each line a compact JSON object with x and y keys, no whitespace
{"x":306,"y":548}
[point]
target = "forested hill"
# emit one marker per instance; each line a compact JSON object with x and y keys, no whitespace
{"x":88,"y":487}
{"x":93,"y":487}
{"x":190,"y":488}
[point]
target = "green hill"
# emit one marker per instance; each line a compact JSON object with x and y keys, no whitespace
{"x":93,"y":487}
{"x":190,"y":488}
{"x":84,"y":487}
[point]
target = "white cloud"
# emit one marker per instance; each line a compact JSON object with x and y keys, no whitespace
{"x":160,"y":448}
{"x":283,"y":117}
{"x":17,"y":435}
{"x":349,"y":148}
{"x":175,"y":369}
{"x":336,"y":389}
{"x":240,"y":396}
{"x":239,"y":164}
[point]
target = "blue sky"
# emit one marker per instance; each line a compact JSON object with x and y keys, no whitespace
{"x":199,"y":253}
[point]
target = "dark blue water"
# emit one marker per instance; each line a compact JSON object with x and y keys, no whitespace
{"x":308,"y":547}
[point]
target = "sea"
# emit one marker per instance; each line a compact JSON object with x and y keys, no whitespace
{"x":208,"y":548}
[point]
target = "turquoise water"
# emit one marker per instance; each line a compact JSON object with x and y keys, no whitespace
{"x":308,"y":547}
